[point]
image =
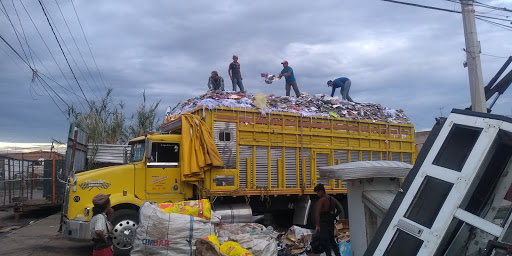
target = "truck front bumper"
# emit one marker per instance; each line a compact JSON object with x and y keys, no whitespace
{"x":76,"y":230}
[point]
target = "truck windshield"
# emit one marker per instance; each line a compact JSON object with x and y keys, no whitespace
{"x":137,"y":151}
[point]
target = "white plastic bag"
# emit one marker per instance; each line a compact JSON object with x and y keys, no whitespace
{"x":161,"y":233}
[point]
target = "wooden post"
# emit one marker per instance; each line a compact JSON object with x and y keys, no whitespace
{"x":9,"y":174}
{"x":53,"y":177}
{"x":32,"y":183}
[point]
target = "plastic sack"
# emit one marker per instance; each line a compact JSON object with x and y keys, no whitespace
{"x":345,"y":249}
{"x":259,"y":245}
{"x":196,"y":208}
{"x":161,"y":233}
{"x":260,"y":101}
{"x":234,"y":249}
{"x":206,"y":248}
{"x":213,"y":239}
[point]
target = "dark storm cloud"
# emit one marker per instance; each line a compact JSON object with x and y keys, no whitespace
{"x":398,"y":56}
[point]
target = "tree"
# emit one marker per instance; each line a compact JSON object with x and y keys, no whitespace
{"x":144,"y":120}
{"x":105,"y":122}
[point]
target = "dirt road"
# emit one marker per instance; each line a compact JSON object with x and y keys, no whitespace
{"x":42,"y":238}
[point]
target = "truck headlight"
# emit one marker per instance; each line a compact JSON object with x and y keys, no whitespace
{"x":86,"y":211}
{"x":73,"y":189}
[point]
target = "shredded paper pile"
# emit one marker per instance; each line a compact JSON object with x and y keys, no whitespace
{"x":319,"y":105}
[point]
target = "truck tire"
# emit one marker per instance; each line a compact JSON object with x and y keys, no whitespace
{"x":124,"y":222}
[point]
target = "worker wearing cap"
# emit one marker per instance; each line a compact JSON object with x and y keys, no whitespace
{"x":287,"y":72}
{"x":235,"y":74}
{"x":344,"y":84}
{"x":101,"y":228}
{"x":216,"y":82}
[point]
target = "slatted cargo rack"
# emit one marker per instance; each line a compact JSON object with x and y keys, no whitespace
{"x":276,"y":152}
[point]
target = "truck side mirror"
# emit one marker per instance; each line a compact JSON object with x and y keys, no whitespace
{"x":148,"y":146}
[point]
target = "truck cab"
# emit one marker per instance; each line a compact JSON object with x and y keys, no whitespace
{"x":153,"y":174}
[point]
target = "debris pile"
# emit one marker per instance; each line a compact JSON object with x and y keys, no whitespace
{"x":342,"y":232}
{"x":319,"y":105}
{"x":296,"y":241}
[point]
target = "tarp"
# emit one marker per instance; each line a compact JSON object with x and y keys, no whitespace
{"x":200,"y":152}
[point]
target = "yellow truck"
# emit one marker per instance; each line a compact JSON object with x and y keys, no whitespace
{"x":269,"y":160}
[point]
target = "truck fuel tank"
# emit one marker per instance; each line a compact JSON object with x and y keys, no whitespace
{"x":234,"y":213}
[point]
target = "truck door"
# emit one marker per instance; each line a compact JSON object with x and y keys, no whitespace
{"x":163,"y":178}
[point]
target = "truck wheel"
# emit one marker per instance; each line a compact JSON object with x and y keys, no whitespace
{"x":125,"y":222}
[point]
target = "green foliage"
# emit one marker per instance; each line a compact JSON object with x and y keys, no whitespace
{"x":105,"y":122}
{"x":144,"y":120}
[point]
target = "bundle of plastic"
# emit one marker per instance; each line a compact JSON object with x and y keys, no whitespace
{"x":269,"y":78}
{"x":196,"y":208}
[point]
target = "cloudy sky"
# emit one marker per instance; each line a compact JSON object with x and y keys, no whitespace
{"x":398,"y":56}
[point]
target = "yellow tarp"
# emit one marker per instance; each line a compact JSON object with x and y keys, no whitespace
{"x":199,"y":150}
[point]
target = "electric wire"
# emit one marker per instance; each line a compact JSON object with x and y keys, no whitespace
{"x":506,"y":27}
{"x":442,"y":9}
{"x":80,"y":52}
{"x":79,"y":86}
{"x":63,"y":113}
{"x":70,"y":54}
{"x":30,"y":50}
{"x":87,"y":41}
{"x":36,"y":76}
{"x":490,"y":55}
{"x":12,"y":24}
{"x":51,"y":54}
{"x":24,"y":35}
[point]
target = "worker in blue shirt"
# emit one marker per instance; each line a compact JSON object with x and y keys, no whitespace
{"x":287,"y":72}
{"x":344,"y":84}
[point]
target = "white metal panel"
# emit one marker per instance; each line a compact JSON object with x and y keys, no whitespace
{"x":354,"y":155}
{"x":275,"y":154}
{"x":244,"y":153}
{"x":322,"y":159}
{"x":261,"y":167}
{"x":291,"y":167}
{"x":474,"y":161}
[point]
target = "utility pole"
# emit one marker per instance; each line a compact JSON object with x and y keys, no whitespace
{"x":476,"y":82}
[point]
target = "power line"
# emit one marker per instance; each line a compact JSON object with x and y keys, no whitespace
{"x":104,"y":86}
{"x":15,"y":32}
{"x":44,"y":11}
{"x":63,"y":113}
{"x":490,"y":55}
{"x":24,"y":35}
{"x":80,"y":52}
{"x":493,"y":7}
{"x":70,"y":54}
{"x":496,"y":24}
{"x":51,"y":54}
{"x":441,"y":9}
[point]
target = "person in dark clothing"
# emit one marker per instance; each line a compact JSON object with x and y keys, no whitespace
{"x":344,"y":84}
{"x":215,"y":82}
{"x":235,"y":74}
{"x":327,"y":210}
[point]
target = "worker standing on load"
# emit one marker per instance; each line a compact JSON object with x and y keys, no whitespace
{"x":101,"y":228}
{"x":216,"y":82}
{"x":235,"y":74}
{"x":287,"y":72}
{"x":344,"y":84}
{"x":327,"y":210}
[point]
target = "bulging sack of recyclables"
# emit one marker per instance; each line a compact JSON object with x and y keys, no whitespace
{"x":161,"y":233}
{"x":196,"y":208}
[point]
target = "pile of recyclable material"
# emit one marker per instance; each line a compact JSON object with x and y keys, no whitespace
{"x":319,"y":105}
